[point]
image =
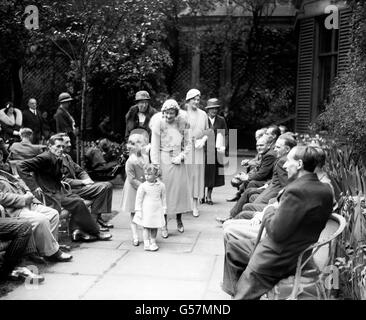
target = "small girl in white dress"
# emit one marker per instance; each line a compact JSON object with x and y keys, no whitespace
{"x":150,"y":207}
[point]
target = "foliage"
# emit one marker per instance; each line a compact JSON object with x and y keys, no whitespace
{"x":348,"y":176}
{"x":345,"y":114}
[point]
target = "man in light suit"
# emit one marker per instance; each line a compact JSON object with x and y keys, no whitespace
{"x":304,"y":208}
{"x":19,"y":202}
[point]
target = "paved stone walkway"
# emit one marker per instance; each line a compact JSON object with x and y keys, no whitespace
{"x":187,"y":266}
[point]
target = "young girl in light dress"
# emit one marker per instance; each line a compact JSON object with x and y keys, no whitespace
{"x":150,"y":207}
{"x":135,"y":176}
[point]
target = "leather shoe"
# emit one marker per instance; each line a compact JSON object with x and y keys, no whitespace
{"x":23,"y":273}
{"x":65,"y":247}
{"x":79,"y":235}
{"x":235,"y":198}
{"x":36,"y":258}
{"x":59,"y":256}
{"x":221,"y":220}
{"x":101,"y":229}
{"x":104,"y":224}
{"x":104,"y":236}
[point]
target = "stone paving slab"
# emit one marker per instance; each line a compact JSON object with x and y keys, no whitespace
{"x":55,"y":287}
{"x":124,"y":287}
{"x":164,"y":265}
{"x":88,"y":261}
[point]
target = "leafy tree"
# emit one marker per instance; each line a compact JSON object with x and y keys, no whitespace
{"x":115,"y":40}
{"x":345,"y":114}
{"x":14,"y":40}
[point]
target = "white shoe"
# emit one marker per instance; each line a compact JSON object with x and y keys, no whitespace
{"x":164,"y":232}
{"x":196,"y":213}
{"x":154,"y":247}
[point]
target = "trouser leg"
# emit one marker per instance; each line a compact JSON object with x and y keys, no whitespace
{"x":46,"y":243}
{"x":237,"y":254}
{"x":80,"y":215}
{"x":100,"y":193}
{"x":241,"y":202}
{"x":252,"y":285}
{"x":19,"y":231}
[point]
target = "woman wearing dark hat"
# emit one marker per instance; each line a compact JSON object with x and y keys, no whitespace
{"x":216,"y":148}
{"x":11,"y":119}
{"x":140,"y":114}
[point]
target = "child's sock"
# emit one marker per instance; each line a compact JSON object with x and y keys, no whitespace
{"x":147,"y":245}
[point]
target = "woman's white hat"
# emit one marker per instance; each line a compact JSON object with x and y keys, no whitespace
{"x":192,"y":93}
{"x":170,"y":104}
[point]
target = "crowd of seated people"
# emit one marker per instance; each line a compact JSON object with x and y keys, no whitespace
{"x":292,"y":205}
{"x":49,"y":181}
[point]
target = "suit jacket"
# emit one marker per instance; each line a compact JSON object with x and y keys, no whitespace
{"x":44,"y":171}
{"x":278,"y":182}
{"x":220,"y":123}
{"x":304,"y":208}
{"x":73,"y":174}
{"x":24,"y":150}
{"x":265,"y":169}
{"x":12,"y":193}
{"x":33,"y":122}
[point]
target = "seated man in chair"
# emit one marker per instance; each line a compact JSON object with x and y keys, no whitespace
{"x":25,"y":149}
{"x":304,"y":208}
{"x":100,"y":193}
{"x":19,"y":202}
{"x":43,"y":175}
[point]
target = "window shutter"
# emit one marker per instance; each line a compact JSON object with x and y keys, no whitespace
{"x":345,"y":38}
{"x":305,"y":74}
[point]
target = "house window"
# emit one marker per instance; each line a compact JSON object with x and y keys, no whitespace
{"x":328,"y":56}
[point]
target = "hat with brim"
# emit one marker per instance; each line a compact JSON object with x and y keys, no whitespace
{"x":64,"y":97}
{"x":192,"y":93}
{"x":213,"y":103}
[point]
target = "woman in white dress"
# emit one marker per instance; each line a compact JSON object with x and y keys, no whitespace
{"x":199,"y":130}
{"x":170,"y":144}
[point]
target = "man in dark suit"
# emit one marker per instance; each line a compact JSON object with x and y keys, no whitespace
{"x":32,"y":119}
{"x":279,"y":179}
{"x":304,"y":208}
{"x":25,"y":149}
{"x":43,"y":175}
{"x":259,"y":176}
{"x":100,"y":193}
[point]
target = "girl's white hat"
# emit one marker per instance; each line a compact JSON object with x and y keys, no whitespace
{"x":192,"y":93}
